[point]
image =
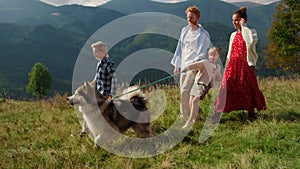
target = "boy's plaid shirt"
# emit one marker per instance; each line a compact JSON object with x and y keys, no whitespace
{"x":106,"y":77}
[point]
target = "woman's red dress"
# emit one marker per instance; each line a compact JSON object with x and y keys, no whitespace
{"x":239,"y":88}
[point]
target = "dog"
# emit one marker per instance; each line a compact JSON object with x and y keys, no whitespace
{"x":105,"y":118}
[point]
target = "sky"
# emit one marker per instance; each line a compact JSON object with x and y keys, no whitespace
{"x":256,"y":1}
{"x":100,"y":2}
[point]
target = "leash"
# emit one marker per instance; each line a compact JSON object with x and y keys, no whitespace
{"x":146,"y":85}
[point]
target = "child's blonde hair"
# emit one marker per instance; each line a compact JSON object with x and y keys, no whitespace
{"x":100,"y":46}
{"x":213,"y":50}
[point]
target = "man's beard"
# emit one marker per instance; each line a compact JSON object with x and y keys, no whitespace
{"x":192,"y":23}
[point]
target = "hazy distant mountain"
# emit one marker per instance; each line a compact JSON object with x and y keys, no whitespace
{"x":34,"y":12}
{"x":212,"y":10}
{"x":33,"y":31}
{"x":16,"y":11}
{"x":22,"y":46}
{"x":247,"y":4}
{"x":215,"y":11}
{"x":86,"y":20}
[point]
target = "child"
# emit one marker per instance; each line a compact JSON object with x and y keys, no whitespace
{"x":207,"y":72}
{"x":105,"y":78}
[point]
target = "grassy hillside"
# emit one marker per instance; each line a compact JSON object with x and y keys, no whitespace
{"x":44,"y":135}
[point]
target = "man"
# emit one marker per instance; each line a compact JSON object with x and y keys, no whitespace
{"x":192,"y":46}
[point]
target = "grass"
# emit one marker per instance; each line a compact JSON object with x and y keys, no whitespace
{"x":43,"y":134}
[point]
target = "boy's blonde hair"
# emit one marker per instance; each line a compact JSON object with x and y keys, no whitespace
{"x":213,"y":50}
{"x":100,"y":46}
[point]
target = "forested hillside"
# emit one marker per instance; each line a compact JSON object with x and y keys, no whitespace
{"x":36,"y":32}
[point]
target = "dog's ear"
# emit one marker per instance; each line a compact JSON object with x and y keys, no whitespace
{"x":86,"y":84}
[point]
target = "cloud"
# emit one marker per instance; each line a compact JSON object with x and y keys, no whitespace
{"x":100,"y":2}
{"x":79,"y":2}
{"x":255,"y":1}
{"x":169,"y":1}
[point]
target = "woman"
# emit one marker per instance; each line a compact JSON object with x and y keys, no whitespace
{"x":239,"y":89}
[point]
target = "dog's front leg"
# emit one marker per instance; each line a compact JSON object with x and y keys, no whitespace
{"x":99,"y":140}
{"x":103,"y":139}
{"x":85,"y":129}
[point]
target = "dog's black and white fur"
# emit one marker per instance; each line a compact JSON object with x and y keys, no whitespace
{"x":102,"y":117}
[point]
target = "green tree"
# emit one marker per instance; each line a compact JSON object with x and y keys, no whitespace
{"x":284,"y":37}
{"x":40,"y":80}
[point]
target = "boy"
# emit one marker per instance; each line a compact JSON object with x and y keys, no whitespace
{"x":105,"y":78}
{"x":208,"y":71}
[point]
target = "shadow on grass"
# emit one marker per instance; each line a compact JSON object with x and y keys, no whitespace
{"x":289,"y":116}
{"x":242,"y":117}
{"x":237,"y":118}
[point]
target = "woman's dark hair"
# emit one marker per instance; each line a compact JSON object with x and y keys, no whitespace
{"x":241,"y":12}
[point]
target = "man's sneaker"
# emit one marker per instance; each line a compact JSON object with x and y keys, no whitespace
{"x":215,"y":118}
{"x":188,"y":124}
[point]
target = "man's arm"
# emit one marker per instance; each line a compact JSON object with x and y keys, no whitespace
{"x":176,"y":60}
{"x":193,"y":66}
{"x":204,"y":44}
{"x":176,"y":71}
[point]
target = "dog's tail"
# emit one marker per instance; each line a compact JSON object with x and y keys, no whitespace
{"x":136,"y":97}
{"x":130,"y":92}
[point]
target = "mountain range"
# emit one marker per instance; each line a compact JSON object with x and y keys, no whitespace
{"x":32,"y":31}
